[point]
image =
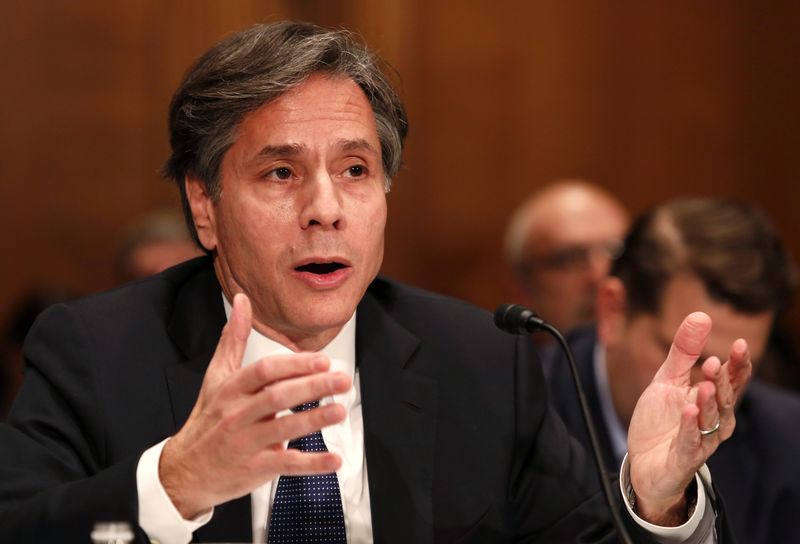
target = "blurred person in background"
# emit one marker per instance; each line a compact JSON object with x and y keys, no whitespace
{"x":558,"y":245}
{"x":727,"y":260}
{"x":152,"y":244}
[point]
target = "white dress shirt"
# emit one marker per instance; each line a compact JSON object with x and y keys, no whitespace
{"x":162,"y":522}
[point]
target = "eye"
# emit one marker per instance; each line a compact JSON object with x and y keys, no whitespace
{"x":356,"y":171}
{"x":282,"y":173}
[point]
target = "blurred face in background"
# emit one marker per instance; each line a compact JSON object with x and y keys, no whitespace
{"x":567,"y":252}
{"x":637,"y":345}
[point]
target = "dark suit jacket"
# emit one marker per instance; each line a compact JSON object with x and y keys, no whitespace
{"x":755,"y":470}
{"x":460,"y":441}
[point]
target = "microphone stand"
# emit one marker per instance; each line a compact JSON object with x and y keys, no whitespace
{"x":598,"y":460}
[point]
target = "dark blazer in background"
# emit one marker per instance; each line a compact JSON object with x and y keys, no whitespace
{"x":461,"y":443}
{"x":755,"y":470}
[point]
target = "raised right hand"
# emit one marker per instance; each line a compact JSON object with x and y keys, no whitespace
{"x":232,"y":442}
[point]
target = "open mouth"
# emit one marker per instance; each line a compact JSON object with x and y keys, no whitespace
{"x":321,"y":269}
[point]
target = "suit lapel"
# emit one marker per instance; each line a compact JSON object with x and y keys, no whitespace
{"x":399,"y":407}
{"x":195,"y":326}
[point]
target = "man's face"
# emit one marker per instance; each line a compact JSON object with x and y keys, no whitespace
{"x":568,"y":258}
{"x":299,"y":224}
{"x":637,"y":346}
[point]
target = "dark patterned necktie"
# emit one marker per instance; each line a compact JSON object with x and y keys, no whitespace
{"x":307,"y":508}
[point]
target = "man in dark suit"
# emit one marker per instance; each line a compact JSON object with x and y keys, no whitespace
{"x":169,"y":403}
{"x":725,"y":259}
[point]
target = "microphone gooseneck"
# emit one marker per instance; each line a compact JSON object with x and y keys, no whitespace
{"x":516,"y":319}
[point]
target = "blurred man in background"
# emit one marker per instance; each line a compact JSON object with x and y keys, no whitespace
{"x":558,"y":245}
{"x":724,"y":259}
{"x":152,"y":244}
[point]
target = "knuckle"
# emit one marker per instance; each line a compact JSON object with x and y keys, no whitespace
{"x":275,"y":397}
{"x":256,"y":463}
{"x":293,"y":462}
{"x":263,"y":371}
{"x":230,"y":419}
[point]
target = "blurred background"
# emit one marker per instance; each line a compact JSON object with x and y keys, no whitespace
{"x":649,"y":99}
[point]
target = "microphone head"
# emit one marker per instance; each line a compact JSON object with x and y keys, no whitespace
{"x":515,"y":318}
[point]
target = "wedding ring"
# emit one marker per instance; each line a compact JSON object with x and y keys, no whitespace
{"x":712,"y":430}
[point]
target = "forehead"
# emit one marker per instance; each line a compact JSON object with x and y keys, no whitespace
{"x":319,"y":110}
{"x":685,"y":294}
{"x":576,"y":218}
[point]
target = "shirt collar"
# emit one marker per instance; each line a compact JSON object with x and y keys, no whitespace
{"x":616,"y":431}
{"x":341,"y":350}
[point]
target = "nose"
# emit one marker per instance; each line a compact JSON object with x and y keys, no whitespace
{"x":599,"y":264}
{"x":321,"y":203}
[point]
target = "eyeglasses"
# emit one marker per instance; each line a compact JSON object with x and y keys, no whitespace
{"x":573,"y":257}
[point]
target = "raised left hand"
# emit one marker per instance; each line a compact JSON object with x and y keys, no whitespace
{"x":665,"y":444}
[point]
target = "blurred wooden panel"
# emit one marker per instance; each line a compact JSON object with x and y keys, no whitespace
{"x":652,"y":100}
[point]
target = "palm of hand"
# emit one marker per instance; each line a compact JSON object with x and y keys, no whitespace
{"x":665,"y":443}
{"x":659,"y":461}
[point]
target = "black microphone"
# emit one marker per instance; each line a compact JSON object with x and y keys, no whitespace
{"x":517,"y":319}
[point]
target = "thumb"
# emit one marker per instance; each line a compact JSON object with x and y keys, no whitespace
{"x":230,"y":348}
{"x":687,"y":346}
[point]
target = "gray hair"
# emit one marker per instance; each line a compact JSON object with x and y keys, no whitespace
{"x":256,"y":66}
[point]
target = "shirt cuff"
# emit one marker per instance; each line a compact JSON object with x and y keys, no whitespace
{"x":158,"y":517}
{"x":668,"y":535}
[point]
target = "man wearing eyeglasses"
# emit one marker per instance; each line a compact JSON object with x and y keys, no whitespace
{"x":559,"y":244}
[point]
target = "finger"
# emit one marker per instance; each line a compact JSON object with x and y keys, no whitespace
{"x":708,"y":415}
{"x":686,"y":347}
{"x":687,"y":441}
{"x":715,"y":372}
{"x":292,"y":462}
{"x":232,"y":342}
{"x":269,"y":370}
{"x":293,"y":392}
{"x":298,"y":424}
{"x":739,"y":367}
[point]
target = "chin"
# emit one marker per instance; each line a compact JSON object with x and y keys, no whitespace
{"x":316,"y":318}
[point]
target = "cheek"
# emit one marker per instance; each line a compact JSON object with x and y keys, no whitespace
{"x":372,"y":222}
{"x":651,"y":360}
{"x":644,"y":360}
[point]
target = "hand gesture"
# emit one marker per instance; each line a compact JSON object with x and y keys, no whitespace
{"x":232,"y":442}
{"x":676,"y":425}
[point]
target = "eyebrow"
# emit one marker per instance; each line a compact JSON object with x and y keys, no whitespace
{"x":358,"y":144}
{"x":292,"y":150}
{"x":284,"y":150}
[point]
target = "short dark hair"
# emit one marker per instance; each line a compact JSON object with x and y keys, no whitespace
{"x":733,"y":248}
{"x":256,"y":66}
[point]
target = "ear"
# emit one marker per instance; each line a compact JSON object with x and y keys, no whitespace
{"x":612,"y":311}
{"x":203,"y":212}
